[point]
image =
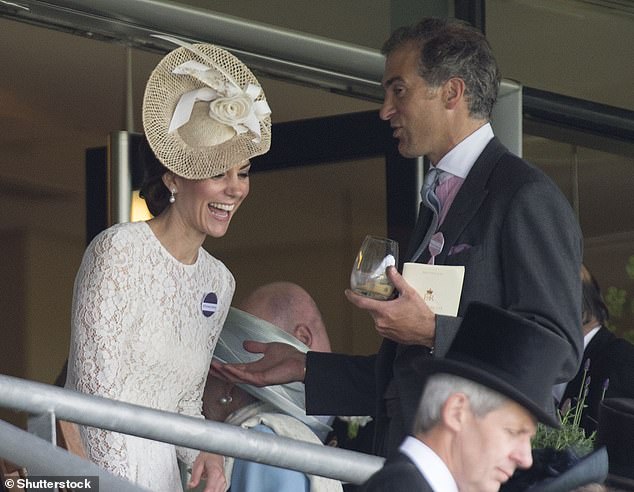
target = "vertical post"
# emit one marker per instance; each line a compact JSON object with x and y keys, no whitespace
{"x":471,"y":11}
{"x":506,"y":119}
{"x":119,"y":177}
{"x":43,"y":426}
{"x":406,"y":12}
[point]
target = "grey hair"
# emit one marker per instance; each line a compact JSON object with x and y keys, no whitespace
{"x":452,"y":48}
{"x":439,"y":387}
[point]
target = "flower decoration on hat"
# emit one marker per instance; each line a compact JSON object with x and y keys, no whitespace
{"x":228,"y":103}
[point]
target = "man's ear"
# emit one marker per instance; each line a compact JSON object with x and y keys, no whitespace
{"x":455,"y":412}
{"x":303,"y":334}
{"x":453,"y":92}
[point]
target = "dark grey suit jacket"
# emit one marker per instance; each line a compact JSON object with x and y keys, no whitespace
{"x":399,"y":474}
{"x":521,"y":247}
{"x":610,"y":358}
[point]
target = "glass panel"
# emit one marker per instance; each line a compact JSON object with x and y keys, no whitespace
{"x":599,"y":185}
{"x":568,"y":47}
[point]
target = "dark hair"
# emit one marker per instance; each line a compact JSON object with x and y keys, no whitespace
{"x":593,"y":304}
{"x":452,"y":48}
{"x":153,"y":190}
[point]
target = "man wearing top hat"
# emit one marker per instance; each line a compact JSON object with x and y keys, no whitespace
{"x":479,"y":408}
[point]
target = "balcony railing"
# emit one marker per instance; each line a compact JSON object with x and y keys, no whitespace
{"x":45,"y":403}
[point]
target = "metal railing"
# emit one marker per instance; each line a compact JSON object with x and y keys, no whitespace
{"x":48,"y":402}
{"x":43,"y":458}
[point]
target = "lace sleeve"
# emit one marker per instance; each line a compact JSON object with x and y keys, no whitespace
{"x":191,"y":403}
{"x":191,"y":406}
{"x":101,"y":303}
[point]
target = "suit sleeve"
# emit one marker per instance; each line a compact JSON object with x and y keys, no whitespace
{"x":541,"y":254}
{"x":338,"y":384}
{"x":621,"y":374}
{"x":526,"y":258}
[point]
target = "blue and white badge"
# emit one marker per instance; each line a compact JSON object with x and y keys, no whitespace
{"x":210,"y":304}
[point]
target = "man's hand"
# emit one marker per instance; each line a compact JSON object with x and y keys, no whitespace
{"x":406,"y":319}
{"x":281,"y":363}
{"x":210,"y":467}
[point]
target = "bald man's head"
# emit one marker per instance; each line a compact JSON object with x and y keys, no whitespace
{"x":289,"y":307}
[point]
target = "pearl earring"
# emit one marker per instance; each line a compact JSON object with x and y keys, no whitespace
{"x":172,"y":197}
{"x":225,"y":400}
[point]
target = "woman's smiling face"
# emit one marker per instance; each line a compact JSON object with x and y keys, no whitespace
{"x":207,"y":205}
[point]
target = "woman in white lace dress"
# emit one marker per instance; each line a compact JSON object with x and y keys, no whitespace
{"x":149,"y":301}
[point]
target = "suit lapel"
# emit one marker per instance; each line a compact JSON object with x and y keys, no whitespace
{"x":470,"y":197}
{"x":467,"y":202}
{"x":420,"y":231}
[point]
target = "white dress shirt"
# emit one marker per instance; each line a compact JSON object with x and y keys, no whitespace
{"x":459,"y":160}
{"x":429,"y":464}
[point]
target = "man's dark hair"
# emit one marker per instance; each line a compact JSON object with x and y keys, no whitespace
{"x":593,"y":304}
{"x":452,"y":48}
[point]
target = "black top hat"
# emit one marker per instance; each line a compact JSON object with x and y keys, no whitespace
{"x":615,"y":431}
{"x":507,"y":353}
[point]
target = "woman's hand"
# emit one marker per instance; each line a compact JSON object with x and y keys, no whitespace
{"x":209,"y":467}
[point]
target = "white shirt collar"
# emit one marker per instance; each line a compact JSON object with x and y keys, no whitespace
{"x":590,"y":335}
{"x":459,"y":160}
{"x":429,"y":464}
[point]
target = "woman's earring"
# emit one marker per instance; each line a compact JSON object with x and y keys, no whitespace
{"x":172,"y":197}
{"x":227,"y":399}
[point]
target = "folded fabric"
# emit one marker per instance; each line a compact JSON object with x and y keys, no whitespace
{"x":458,"y":248}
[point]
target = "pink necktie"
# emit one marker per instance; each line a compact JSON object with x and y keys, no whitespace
{"x":445,"y":192}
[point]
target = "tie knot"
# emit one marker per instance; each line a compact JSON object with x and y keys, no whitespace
{"x":432,"y":178}
{"x":434,"y":174}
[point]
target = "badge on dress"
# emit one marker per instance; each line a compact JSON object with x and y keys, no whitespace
{"x":209,"y":305}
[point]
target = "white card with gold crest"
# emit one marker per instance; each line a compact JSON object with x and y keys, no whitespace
{"x":440,"y":286}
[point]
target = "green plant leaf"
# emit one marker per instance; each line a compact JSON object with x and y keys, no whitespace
{"x":570,"y":435}
{"x":615,"y":300}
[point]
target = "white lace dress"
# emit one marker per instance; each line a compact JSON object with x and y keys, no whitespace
{"x":144,"y":327}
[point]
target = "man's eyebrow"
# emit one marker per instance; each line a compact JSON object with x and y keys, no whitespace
{"x":387,"y":83}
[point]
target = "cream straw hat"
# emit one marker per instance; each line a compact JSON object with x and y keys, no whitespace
{"x":204,"y":111}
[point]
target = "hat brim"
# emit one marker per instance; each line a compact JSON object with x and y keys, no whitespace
{"x":164,"y":89}
{"x":487,"y":378}
{"x":592,"y":468}
{"x":288,"y":398}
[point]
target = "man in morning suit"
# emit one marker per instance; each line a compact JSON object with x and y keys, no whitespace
{"x":500,"y":217}
{"x":607,"y":369}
